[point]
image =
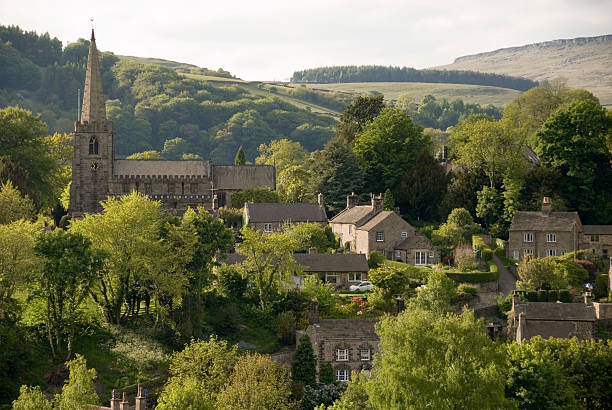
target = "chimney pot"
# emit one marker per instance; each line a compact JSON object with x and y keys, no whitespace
{"x":546,"y":206}
{"x":351,"y":200}
{"x":312,"y":250}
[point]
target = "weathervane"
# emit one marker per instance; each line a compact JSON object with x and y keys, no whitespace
{"x":92,"y":25}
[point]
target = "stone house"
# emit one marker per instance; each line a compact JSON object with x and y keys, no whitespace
{"x":544,"y":233}
{"x":346,"y":344}
{"x":96,"y":174}
{"x":339,"y":269}
{"x":368,"y":228}
{"x":272,"y":217}
{"x":548,"y":233}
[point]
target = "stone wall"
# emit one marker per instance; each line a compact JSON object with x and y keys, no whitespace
{"x":603,"y":310}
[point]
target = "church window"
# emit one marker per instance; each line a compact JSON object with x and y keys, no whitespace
{"x":126,"y":188}
{"x":147,"y":188}
{"x":137,"y":186}
{"x":93,"y":146}
{"x":171,"y":188}
{"x":182,"y":188}
{"x":193,"y":188}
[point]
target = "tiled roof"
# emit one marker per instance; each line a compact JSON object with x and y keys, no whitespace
{"x":332,"y":262}
{"x":414,"y":241}
{"x":293,"y":212}
{"x":535,"y":221}
{"x":354,"y":215}
{"x":131,"y":167}
{"x":346,"y":329}
{"x":597,"y":229}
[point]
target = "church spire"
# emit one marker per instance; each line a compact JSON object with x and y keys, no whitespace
{"x":93,"y":97}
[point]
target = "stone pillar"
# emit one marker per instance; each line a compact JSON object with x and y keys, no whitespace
{"x":124,"y":405}
{"x":114,"y":401}
{"x":141,"y":399}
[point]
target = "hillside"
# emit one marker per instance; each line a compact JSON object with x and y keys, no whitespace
{"x":474,"y":94}
{"x":585,"y":62}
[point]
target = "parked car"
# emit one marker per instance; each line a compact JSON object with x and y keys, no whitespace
{"x":363,"y":286}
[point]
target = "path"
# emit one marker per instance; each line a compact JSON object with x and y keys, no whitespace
{"x":507,"y":281}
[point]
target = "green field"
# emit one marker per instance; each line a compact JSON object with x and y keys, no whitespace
{"x":483,"y":95}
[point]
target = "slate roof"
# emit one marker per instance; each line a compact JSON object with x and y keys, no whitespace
{"x":535,"y":221}
{"x":597,"y":229}
{"x":375,"y":220}
{"x":244,"y":176}
{"x":346,"y":329}
{"x":414,"y":241}
{"x":131,"y":167}
{"x":293,"y":212}
{"x":332,"y":262}
{"x":556,"y":311}
{"x":354,"y":215}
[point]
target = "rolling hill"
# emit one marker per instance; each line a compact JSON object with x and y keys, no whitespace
{"x":585,"y":62}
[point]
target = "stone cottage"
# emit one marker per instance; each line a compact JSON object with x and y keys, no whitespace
{"x":346,"y":344}
{"x":96,"y":174}
{"x":272,"y":217}
{"x":368,"y":228}
{"x":339,"y":269}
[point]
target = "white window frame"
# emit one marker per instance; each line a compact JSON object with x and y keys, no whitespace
{"x":527,"y":252}
{"x":398,"y":254}
{"x":420,"y":258}
{"x":404,"y":235}
{"x":365,"y":355}
{"x":267,"y":228}
{"x":342,"y":355}
{"x":380,"y":236}
{"x":594,"y":237}
{"x":342,"y":375}
{"x":551,"y":252}
{"x":355,"y":275}
{"x":551,"y":237}
{"x":335,"y":276}
{"x":515,"y":254}
{"x":528,"y":237}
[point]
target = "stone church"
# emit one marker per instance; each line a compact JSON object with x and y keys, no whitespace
{"x":96,"y":174}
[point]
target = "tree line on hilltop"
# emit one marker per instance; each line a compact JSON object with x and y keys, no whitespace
{"x":374,"y":73}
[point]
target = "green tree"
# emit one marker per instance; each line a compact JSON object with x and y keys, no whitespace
{"x":357,"y":114}
{"x":240,"y":158}
{"x":255,"y":195}
{"x":304,"y":365}
{"x":386,"y":145}
{"x":388,"y":201}
{"x":269,"y":263}
{"x":543,"y":273}
{"x":133,"y":134}
{"x":336,"y":173}
{"x":69,"y":268}
{"x":326,"y":373}
{"x":422,"y":188}
{"x":293,"y":184}
{"x":256,"y":383}
{"x":573,"y":141}
{"x":458,"y":228}
{"x":490,"y":209}
{"x":78,"y":392}
{"x":282,"y":154}
{"x":174,"y":148}
{"x":184,"y":394}
{"x":454,"y":363}
{"x":31,"y":398}
{"x":311,"y":235}
{"x":14,"y":206}
{"x":436,"y":295}
{"x":145,"y":155}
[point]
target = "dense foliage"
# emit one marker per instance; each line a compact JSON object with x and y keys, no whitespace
{"x":360,"y":74}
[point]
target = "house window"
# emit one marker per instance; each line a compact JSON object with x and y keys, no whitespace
{"x":93,"y":146}
{"x":342,"y":375}
{"x":431,"y":254}
{"x":551,"y":237}
{"x":342,"y":355}
{"x":594,"y":238}
{"x":420,"y":257}
{"x":380,"y":236}
{"x":268,"y":228}
{"x":551,"y":252}
{"x":404,"y":235}
{"x":364,"y":354}
{"x":515,"y":254}
{"x":528,"y":237}
{"x":331,"y":278}
{"x":528,"y":251}
{"x":398,"y":254}
{"x":355,"y":276}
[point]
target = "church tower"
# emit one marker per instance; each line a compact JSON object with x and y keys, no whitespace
{"x":94,"y":146}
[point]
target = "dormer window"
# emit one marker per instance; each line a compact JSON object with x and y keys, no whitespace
{"x":93,"y":146}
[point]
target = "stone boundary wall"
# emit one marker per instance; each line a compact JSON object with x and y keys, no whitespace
{"x":603,"y":310}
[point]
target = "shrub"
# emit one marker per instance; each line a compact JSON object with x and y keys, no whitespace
{"x":375,"y":259}
{"x":471,"y":290}
{"x":565,"y":296}
{"x":532,"y":296}
{"x":285,"y":328}
{"x":600,"y":290}
{"x":588,"y":266}
{"x":553,"y":295}
{"x":542,"y":296}
{"x":486,"y":254}
{"x":473,"y":277}
{"x":304,"y":365}
{"x":229,"y":282}
{"x":313,"y":287}
{"x":326,"y":374}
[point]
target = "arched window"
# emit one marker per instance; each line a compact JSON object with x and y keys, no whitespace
{"x":93,"y":146}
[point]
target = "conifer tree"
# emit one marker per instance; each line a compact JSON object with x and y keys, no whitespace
{"x":240,"y":158}
{"x":304,"y":366}
{"x":326,"y":374}
{"x":388,"y":200}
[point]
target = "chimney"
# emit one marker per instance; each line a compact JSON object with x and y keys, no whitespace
{"x":351,"y":200}
{"x":114,"y":401}
{"x":546,"y":206}
{"x":321,"y":199}
{"x":377,"y":203}
{"x":124,"y":405}
{"x":141,"y":399}
{"x":312,"y":250}
{"x":313,"y":315}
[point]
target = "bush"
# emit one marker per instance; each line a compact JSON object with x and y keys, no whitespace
{"x":285,"y":328}
{"x":471,"y":290}
{"x":304,"y":365}
{"x":376,"y":259}
{"x":229,"y":282}
{"x":553,"y":295}
{"x":565,"y":296}
{"x":473,"y":277}
{"x":313,"y":287}
{"x":542,"y":296}
{"x":600,"y":290}
{"x":588,"y":266}
{"x":486,"y":254}
{"x":532,"y":296}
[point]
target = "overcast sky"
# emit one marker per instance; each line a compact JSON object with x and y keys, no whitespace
{"x":268,"y":40}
